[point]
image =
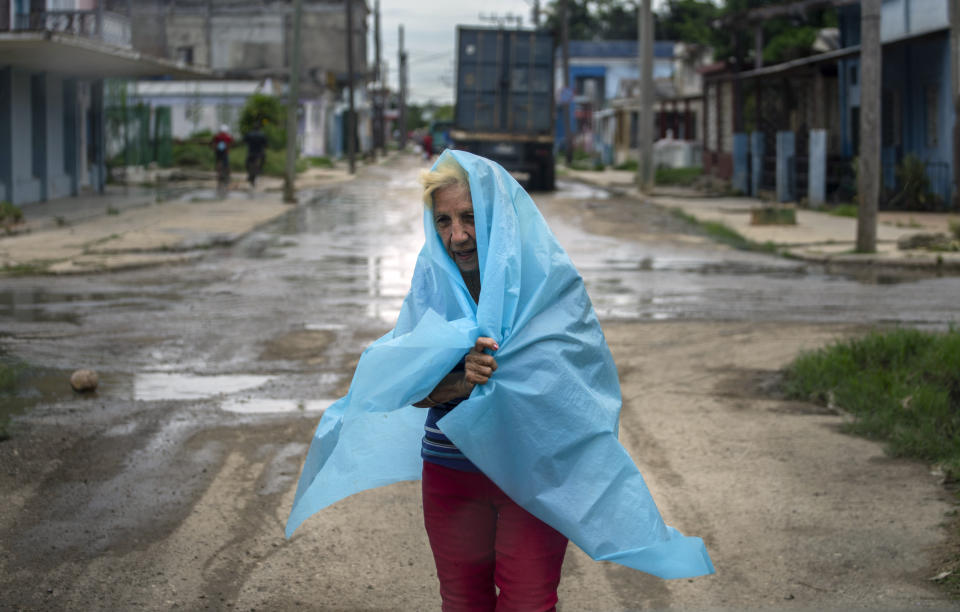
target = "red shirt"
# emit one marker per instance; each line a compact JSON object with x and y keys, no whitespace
{"x":224,"y":138}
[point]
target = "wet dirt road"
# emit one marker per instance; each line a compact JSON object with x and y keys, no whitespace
{"x":170,"y":487}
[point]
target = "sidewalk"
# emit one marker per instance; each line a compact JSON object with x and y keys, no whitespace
{"x":817,"y":236}
{"x":130,"y":227}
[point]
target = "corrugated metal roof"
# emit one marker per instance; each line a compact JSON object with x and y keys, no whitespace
{"x":617,"y":48}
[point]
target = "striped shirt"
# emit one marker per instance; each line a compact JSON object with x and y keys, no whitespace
{"x":436,"y":447}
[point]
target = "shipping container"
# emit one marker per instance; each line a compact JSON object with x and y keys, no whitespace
{"x":504,"y":100}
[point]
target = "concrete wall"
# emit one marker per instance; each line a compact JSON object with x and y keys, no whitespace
{"x":24,"y":186}
{"x":257,"y":39}
{"x":186,"y":31}
{"x":42,"y":136}
{"x":248,"y":41}
{"x":58,"y":181}
{"x":899,"y":17}
{"x":6,"y":144}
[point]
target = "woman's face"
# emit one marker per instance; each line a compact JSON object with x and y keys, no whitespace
{"x":453,"y":218}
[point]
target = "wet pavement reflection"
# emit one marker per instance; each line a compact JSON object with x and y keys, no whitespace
{"x":271,"y":324}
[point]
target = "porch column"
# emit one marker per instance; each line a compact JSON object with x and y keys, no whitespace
{"x":97,"y":135}
{"x":817,"y":173}
{"x":756,"y":162}
{"x":740,"y":162}
{"x":6,"y":142}
{"x":786,"y":153}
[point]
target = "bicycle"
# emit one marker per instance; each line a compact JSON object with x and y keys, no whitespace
{"x":223,"y":177}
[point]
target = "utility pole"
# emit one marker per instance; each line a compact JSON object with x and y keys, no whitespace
{"x":954,"y":9}
{"x":351,"y":119}
{"x":868,"y":186}
{"x":378,"y":135}
{"x":536,"y":14}
{"x":568,"y":98}
{"x":402,"y":76}
{"x":293,"y":99}
{"x":207,"y":31}
{"x":645,"y":115}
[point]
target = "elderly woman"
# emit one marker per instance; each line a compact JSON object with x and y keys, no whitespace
{"x":498,"y":339}
{"x":479,"y":536}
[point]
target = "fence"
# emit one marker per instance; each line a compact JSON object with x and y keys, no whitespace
{"x":139,"y":135}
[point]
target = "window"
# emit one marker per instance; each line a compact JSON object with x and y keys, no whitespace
{"x":854,"y":68}
{"x":185,"y":55}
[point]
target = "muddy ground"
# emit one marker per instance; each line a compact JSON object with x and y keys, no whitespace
{"x":161,"y":505}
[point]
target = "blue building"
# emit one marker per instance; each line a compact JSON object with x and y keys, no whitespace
{"x":917,"y":115}
{"x":596,"y":71}
{"x":54,"y":57}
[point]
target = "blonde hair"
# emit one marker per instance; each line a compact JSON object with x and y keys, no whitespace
{"x":448,"y":173}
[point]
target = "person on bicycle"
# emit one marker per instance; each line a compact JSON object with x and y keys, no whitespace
{"x":221,"y":143}
{"x":256,"y":142}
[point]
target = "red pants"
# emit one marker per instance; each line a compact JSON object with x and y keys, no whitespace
{"x":481,"y":538}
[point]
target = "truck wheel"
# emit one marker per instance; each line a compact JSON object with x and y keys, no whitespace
{"x":547,"y":172}
{"x":536,"y":180}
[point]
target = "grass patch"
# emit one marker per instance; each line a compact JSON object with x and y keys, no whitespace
{"x":773,"y":215}
{"x":725,"y":235}
{"x":843,"y":210}
{"x":590,"y":165}
{"x":901,"y":386}
{"x":25,"y":269}
{"x":199,"y":156}
{"x":630,"y":164}
{"x":683,"y":177}
{"x":320,"y":162}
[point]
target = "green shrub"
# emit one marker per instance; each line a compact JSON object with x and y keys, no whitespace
{"x":192,"y":155}
{"x":684,"y":177}
{"x":9,"y":213}
{"x":901,"y":386}
{"x":914,"y":184}
{"x":630,"y":164}
{"x":269,"y":114}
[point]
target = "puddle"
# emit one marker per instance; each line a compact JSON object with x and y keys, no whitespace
{"x":37,"y":304}
{"x":153,"y":386}
{"x":579,"y":191}
{"x":325,"y":326}
{"x":275,"y":406}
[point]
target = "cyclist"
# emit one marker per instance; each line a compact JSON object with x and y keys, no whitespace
{"x":221,"y":143}
{"x":256,"y":142}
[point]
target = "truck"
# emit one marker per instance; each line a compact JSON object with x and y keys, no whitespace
{"x":504,"y":107}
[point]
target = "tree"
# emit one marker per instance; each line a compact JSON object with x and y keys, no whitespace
{"x":723,"y":28}
{"x":690,"y":21}
{"x":267,"y":113}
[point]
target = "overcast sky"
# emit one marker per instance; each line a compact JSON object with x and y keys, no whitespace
{"x":430,"y":38}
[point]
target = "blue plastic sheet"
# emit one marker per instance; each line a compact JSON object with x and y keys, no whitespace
{"x":544,"y":428}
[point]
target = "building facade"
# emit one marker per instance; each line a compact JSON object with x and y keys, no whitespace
{"x":54,"y":57}
{"x":605,"y":89}
{"x":249,"y":43}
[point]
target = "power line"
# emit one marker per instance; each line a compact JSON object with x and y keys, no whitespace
{"x":426,"y":58}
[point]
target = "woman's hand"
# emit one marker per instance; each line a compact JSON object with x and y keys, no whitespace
{"x":478,"y":366}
